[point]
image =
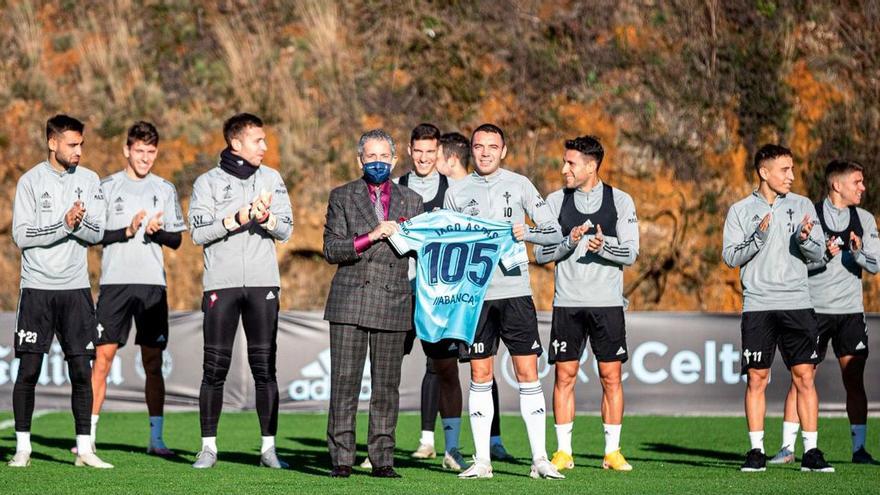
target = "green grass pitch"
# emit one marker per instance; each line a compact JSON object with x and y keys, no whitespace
{"x":676,"y":455}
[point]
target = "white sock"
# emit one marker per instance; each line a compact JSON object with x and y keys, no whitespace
{"x":789,"y":435}
{"x":451,"y":430}
{"x":268,"y":443}
{"x":156,"y":424}
{"x":612,"y":437}
{"x":811,"y":440}
{"x":531,"y":406}
{"x":94,"y":429}
{"x":427,"y":438}
{"x":495,"y":440}
{"x":858,"y":436}
{"x":84,"y":444}
{"x":210,"y":443}
{"x":563,"y":437}
{"x":756,"y":438}
{"x":481,"y":411}
{"x":23,"y":441}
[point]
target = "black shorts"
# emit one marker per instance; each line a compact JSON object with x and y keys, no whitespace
{"x":146,"y":304}
{"x":605,"y":328}
{"x":847,"y":333}
{"x":512,"y":320}
{"x":442,"y":349}
{"x":68,"y":314}
{"x":794,"y":331}
{"x":255,"y":307}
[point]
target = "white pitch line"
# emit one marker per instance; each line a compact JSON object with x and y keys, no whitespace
{"x":9,"y":423}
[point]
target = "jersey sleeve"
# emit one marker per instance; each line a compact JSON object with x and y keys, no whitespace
{"x":27,"y":231}
{"x":406,"y":238}
{"x":514,"y":256}
{"x":867,"y":257}
{"x":546,"y":231}
{"x":282,"y":210}
{"x":555,"y":252}
{"x":174,"y":221}
{"x":740,"y":246}
{"x":204,"y":228}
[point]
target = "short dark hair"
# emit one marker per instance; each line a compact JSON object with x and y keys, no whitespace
{"x":490,"y":128}
{"x":144,"y":132}
{"x":836,"y":168}
{"x":424,"y":131}
{"x":238,"y":123}
{"x":587,"y":146}
{"x":769,"y":152}
{"x":61,"y":123}
{"x":455,"y":144}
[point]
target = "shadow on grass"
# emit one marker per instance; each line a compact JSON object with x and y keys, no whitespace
{"x":317,"y":457}
{"x":66,"y":444}
{"x":713,"y":458}
{"x":6,"y":454}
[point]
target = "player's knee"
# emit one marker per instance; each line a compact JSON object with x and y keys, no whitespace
{"x":101,"y":367}
{"x":448,"y":377}
{"x":263,"y":372}
{"x":803,"y":381}
{"x":526,"y":369}
{"x":853,"y":372}
{"x":152,"y":360}
{"x":262,"y":365}
{"x":611,"y":382}
{"x":79,"y":370}
{"x":481,"y":376}
{"x":481,"y":371}
{"x":29,"y":368}
{"x":527,"y":376}
{"x":153,"y":369}
{"x":216,"y":365}
{"x":757,"y":381}
{"x":565,"y":379}
{"x":853,"y":381}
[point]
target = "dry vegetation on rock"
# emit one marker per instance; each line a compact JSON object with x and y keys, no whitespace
{"x":680,"y":93}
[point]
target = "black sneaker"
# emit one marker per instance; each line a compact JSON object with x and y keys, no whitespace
{"x":814,"y":460}
{"x":861,"y":456}
{"x":756,"y":462}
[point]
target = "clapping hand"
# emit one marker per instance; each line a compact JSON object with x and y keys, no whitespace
{"x":595,"y":244}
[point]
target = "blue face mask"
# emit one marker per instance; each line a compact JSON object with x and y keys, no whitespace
{"x":377,"y":172}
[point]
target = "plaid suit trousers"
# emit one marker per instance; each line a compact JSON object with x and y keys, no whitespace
{"x":348,"y":351}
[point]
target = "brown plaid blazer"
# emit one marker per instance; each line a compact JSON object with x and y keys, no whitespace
{"x":371,"y":290}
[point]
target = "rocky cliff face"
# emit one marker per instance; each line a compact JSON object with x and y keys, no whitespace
{"x":679,"y":93}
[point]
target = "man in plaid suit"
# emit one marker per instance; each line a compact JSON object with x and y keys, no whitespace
{"x":369,"y":305}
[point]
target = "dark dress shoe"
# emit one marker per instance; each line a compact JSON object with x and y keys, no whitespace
{"x":385,"y":472}
{"x":340,"y":472}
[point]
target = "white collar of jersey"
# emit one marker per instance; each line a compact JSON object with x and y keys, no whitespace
{"x":62,"y":173}
{"x":829,"y":204}
{"x":757,"y":194}
{"x":593,"y":190}
{"x":496,"y":175}
{"x":433,"y":177}
{"x":125,"y":176}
